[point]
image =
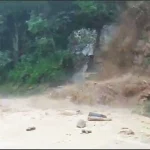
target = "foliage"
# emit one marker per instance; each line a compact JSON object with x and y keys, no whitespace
{"x":44,"y":46}
{"x":97,"y":13}
{"x":4,"y":59}
{"x":32,"y":34}
{"x":87,"y":7}
{"x":36,"y":24}
{"x":45,"y":69}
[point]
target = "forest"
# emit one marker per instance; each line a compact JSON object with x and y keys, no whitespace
{"x":35,"y":37}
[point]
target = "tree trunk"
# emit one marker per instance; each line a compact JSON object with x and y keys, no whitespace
{"x":16,"y":45}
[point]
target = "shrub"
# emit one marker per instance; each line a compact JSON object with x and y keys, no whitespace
{"x":45,"y":69}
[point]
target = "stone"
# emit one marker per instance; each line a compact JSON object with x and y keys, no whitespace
{"x":92,"y":118}
{"x":126,"y":131}
{"x":30,"y":128}
{"x":96,"y":115}
{"x":124,"y":128}
{"x":86,"y":131}
{"x":81,"y":123}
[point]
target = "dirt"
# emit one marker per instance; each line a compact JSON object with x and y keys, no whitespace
{"x":125,"y":90}
{"x":54,"y":119}
{"x":56,"y":130}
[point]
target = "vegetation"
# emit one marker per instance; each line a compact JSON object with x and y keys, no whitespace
{"x":34,"y":37}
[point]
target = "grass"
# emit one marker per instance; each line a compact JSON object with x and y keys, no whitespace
{"x":21,"y":90}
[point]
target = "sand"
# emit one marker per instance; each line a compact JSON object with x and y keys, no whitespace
{"x":56,"y":130}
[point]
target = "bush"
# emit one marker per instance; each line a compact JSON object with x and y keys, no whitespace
{"x":45,"y":69}
{"x":4,"y":59}
{"x":36,"y":24}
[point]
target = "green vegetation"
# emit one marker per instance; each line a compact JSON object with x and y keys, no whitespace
{"x":34,"y":37}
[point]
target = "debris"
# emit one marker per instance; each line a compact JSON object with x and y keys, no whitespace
{"x":86,"y":131}
{"x":127,"y":131}
{"x":124,"y":128}
{"x":81,"y":123}
{"x":30,"y":129}
{"x":96,"y":115}
{"x":98,"y":119}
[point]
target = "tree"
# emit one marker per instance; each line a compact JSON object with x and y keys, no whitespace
{"x":14,"y":15}
{"x":34,"y":35}
{"x":96,"y":14}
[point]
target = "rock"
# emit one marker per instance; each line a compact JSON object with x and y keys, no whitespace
{"x":126,"y":131}
{"x":124,"y":128}
{"x":30,"y":129}
{"x":98,"y":119}
{"x":81,"y":123}
{"x":86,"y":131}
{"x":96,"y":115}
